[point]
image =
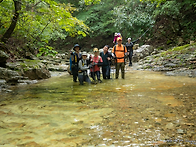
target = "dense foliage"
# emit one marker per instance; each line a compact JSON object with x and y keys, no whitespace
{"x":39,"y":23}
{"x":130,"y":18}
{"x":174,"y":21}
{"x":42,"y":25}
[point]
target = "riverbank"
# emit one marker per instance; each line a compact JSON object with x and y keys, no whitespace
{"x":177,"y":61}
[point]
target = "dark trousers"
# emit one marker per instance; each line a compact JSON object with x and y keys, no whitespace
{"x":83,"y":78}
{"x":74,"y":69}
{"x":130,"y":58}
{"x":106,"y":72}
{"x":120,"y":66}
{"x":97,"y":73}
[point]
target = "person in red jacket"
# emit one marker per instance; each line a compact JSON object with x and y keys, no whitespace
{"x":96,"y":61}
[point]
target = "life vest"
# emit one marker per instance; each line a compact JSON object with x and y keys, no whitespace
{"x":119,"y":51}
{"x":76,"y":58}
{"x":83,"y":64}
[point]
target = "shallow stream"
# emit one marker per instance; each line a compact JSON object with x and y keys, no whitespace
{"x":144,"y":109}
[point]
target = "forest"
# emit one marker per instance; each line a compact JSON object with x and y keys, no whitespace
{"x":45,"y":27}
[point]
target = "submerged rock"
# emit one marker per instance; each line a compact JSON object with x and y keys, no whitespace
{"x":169,"y":126}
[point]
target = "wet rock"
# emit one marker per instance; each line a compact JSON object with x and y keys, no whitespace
{"x":29,"y":55}
{"x":6,"y":90}
{"x":182,"y":72}
{"x":169,"y":126}
{"x":2,"y":82}
{"x":10,"y":76}
{"x":170,"y":74}
{"x":180,"y":131}
{"x":3,"y":58}
{"x":23,"y":82}
{"x":142,"y":52}
{"x":33,"y":73}
{"x":61,"y":68}
{"x":170,"y":65}
{"x":161,"y":68}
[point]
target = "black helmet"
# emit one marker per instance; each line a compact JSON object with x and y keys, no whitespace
{"x":76,"y":45}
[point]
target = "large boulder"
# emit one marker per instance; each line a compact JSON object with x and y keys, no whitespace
{"x":32,"y":69}
{"x":10,"y":76}
{"x":141,"y":52}
{"x":3,"y":58}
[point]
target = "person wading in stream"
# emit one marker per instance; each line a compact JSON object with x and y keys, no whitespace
{"x":96,"y":62}
{"x":75,"y":57}
{"x":106,"y":57}
{"x":83,"y":66}
{"x":129,"y":46}
{"x":119,"y":52}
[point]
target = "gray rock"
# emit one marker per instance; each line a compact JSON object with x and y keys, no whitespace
{"x":180,"y":131}
{"x":27,"y":81}
{"x":3,"y":58}
{"x":170,"y":65}
{"x":170,"y":74}
{"x":10,"y":76}
{"x":2,"y":82}
{"x":169,"y":126}
{"x":142,"y":52}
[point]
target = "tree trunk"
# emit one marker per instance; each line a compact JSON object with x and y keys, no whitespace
{"x":8,"y":33}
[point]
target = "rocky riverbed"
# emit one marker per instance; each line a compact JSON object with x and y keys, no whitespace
{"x":146,"y":109}
{"x":178,"y":61}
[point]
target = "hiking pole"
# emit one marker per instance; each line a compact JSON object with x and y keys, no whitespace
{"x":110,"y":67}
{"x":145,"y":32}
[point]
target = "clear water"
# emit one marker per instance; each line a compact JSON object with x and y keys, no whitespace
{"x":144,"y":109}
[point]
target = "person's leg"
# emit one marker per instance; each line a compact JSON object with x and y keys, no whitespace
{"x":87,"y":79}
{"x":104,"y":72}
{"x":130,"y":58}
{"x":108,"y":72}
{"x":75,"y":73}
{"x":123,"y":70}
{"x":117,"y":70}
{"x":81,"y":78}
{"x":98,"y":76}
{"x":93,"y":75}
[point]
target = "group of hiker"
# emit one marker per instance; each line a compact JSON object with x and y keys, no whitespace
{"x":80,"y":62}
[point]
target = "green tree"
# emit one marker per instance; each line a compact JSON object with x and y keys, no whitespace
{"x":38,"y":22}
{"x":17,"y":8}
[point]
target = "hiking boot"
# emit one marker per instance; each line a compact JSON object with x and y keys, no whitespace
{"x":99,"y":81}
{"x":94,"y":82}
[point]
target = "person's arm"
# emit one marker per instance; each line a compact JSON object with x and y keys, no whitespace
{"x":126,"y":53}
{"x":115,"y":37}
{"x":136,"y":40}
{"x":100,"y":62}
{"x":109,"y":56}
{"x":72,"y":57}
{"x":82,"y":67}
{"x":113,"y":55}
{"x":127,"y":47}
